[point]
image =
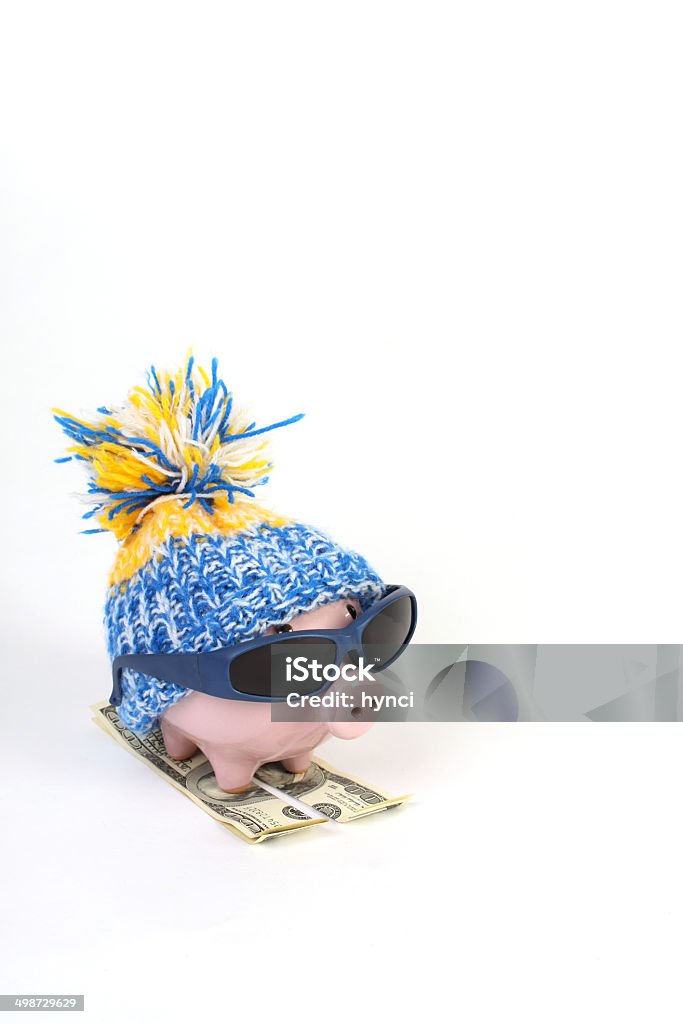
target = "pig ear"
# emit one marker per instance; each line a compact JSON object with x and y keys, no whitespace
{"x":179,"y":439}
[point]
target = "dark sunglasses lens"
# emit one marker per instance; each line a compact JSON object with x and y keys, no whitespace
{"x":273,"y":671}
{"x":384,"y":635}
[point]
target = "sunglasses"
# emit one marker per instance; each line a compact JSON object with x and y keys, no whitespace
{"x":246,"y":671}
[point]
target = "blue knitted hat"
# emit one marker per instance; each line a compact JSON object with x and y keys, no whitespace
{"x":201,"y":564}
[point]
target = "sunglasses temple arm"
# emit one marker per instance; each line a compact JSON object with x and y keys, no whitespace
{"x":115,"y":697}
{"x":180,"y":669}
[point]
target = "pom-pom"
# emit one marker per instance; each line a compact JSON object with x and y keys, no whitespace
{"x":180,"y":439}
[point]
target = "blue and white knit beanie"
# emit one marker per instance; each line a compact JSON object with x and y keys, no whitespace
{"x":201,"y":564}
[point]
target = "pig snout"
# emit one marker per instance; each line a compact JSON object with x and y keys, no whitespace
{"x":348,"y":723}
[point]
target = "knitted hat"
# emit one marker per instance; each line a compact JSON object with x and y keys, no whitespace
{"x":201,"y":564}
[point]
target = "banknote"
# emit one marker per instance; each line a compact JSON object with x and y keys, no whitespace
{"x":256,"y":814}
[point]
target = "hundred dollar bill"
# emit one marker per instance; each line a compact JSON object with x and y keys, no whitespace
{"x":329,"y":792}
{"x":254,"y":815}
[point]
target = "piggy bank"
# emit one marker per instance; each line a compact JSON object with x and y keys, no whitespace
{"x":202,"y":567}
{"x":238,"y":737}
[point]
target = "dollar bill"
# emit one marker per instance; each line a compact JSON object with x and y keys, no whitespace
{"x":254,"y":815}
{"x":257,"y":814}
{"x":325,"y":790}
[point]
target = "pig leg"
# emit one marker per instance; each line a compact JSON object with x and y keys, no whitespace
{"x":232,"y":775}
{"x":178,"y":746}
{"x":298,"y":763}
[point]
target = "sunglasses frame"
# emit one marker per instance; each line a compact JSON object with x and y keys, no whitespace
{"x":209,"y":671}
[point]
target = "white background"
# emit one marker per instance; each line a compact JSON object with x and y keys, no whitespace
{"x":451,"y":234}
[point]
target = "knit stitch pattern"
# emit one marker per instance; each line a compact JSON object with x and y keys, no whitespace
{"x":201,"y":592}
{"x":172,"y":473}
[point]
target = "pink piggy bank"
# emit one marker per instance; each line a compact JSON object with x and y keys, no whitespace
{"x":238,"y":737}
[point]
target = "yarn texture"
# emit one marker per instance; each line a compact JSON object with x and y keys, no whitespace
{"x":201,"y":564}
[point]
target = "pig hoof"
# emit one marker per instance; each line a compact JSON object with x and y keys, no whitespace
{"x":178,"y":747}
{"x":231,"y":778}
{"x":296,"y":765}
